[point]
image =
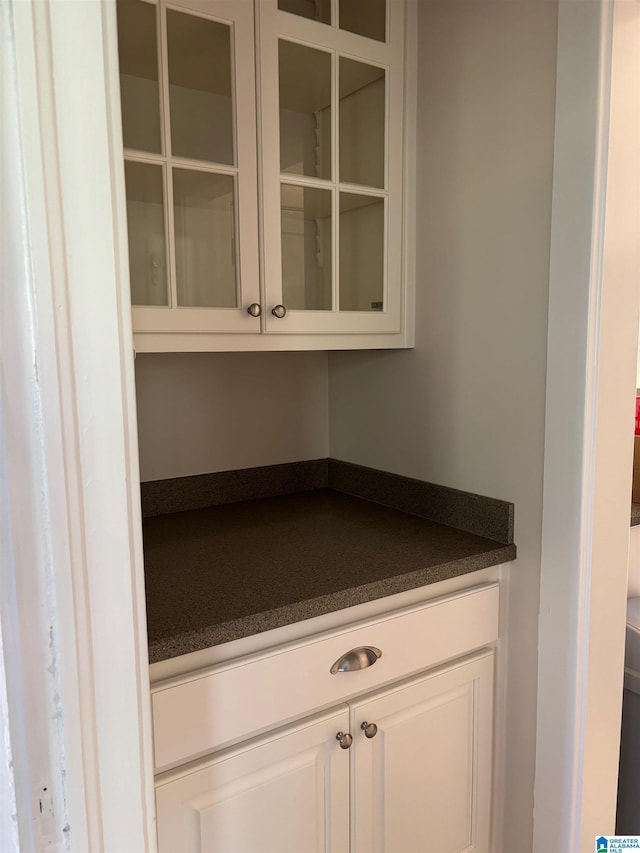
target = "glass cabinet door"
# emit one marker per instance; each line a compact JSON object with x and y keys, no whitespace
{"x":187,"y":82}
{"x":364,"y":17}
{"x":332,"y":164}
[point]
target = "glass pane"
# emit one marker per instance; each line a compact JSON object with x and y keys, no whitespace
{"x":364,"y":17}
{"x":361,"y":252}
{"x":362,"y":110}
{"x":204,"y":222}
{"x":147,"y":245}
{"x":139,"y":89}
{"x":200,"y":88}
{"x":306,"y":247}
{"x":317,"y":10}
{"x":305,"y":110}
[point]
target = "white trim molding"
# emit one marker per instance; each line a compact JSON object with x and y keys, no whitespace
{"x":592,"y":346}
{"x":73,"y":619}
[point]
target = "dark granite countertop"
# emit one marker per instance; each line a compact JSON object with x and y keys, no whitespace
{"x":225,"y":572}
{"x":635,"y":513}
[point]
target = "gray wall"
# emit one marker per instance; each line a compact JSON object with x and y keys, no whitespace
{"x":203,"y":412}
{"x":465,"y":408}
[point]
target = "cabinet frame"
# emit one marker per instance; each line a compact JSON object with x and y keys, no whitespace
{"x":469,"y":680}
{"x":198,"y":713}
{"x":235,"y":330}
{"x":274,"y":25}
{"x":184,"y":798}
{"x":172,"y":319}
{"x":352,"y":808}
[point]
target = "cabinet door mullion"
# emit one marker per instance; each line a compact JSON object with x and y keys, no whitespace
{"x":168,"y":176}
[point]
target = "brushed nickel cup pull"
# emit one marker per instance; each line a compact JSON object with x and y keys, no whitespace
{"x":344,"y":739}
{"x":356,"y":659}
{"x":279,"y":311}
{"x":370,"y":729}
{"x":255,"y":309}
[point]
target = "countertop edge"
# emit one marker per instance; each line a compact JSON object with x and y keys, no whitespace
{"x":257,"y":623}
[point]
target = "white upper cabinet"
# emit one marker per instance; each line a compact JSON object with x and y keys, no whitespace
{"x":270,"y":220}
{"x":331,"y":92}
{"x":187,"y":83}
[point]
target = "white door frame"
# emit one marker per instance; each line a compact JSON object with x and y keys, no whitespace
{"x":72,"y":604}
{"x":591,"y":376}
{"x":73,"y":621}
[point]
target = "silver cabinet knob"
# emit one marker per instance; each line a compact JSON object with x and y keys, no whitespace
{"x":344,"y":739}
{"x":279,"y":311}
{"x":255,"y":309}
{"x":370,"y":729}
{"x":356,"y":659}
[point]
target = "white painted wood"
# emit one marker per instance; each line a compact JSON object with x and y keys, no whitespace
{"x":273,"y":24}
{"x":31,"y":745}
{"x":9,"y":836}
{"x":194,"y":716}
{"x":591,"y":387}
{"x":424,"y":781}
{"x":73,"y":599}
{"x":173,"y":319}
{"x":205,"y":342}
{"x":409,"y":222}
{"x":170,"y":329}
{"x":288,"y":792}
{"x":298,"y":342}
{"x":610,"y":468}
{"x":501,"y":795}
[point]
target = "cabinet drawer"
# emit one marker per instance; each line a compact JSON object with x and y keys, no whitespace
{"x":198,"y":714}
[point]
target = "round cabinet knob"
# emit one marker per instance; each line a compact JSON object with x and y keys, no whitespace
{"x":344,"y":739}
{"x":279,"y":311}
{"x":370,"y":729}
{"x":255,"y":309}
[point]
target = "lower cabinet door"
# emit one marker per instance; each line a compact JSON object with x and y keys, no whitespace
{"x":422,"y":780}
{"x":287,"y":792}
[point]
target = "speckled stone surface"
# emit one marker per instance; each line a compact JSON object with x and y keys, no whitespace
{"x":465,"y":511}
{"x":221,"y":573}
{"x":635,"y":514}
{"x":203,"y":490}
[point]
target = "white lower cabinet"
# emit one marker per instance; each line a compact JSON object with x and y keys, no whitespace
{"x":422,"y":782}
{"x":288,"y":792}
{"x":417,"y":777}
